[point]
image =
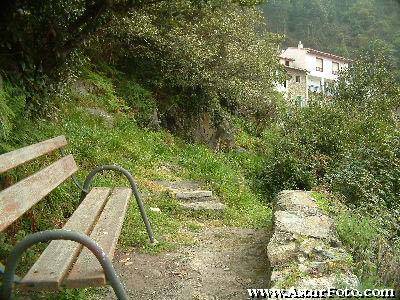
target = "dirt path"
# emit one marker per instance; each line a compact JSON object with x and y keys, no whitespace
{"x":222,"y":264}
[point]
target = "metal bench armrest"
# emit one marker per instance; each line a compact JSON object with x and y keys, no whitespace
{"x":59,"y":234}
{"x":87,"y":185}
{"x":85,"y":189}
{"x":16,"y":278}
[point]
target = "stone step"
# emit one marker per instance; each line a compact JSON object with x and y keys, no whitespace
{"x":203,"y":206}
{"x":198,"y":195}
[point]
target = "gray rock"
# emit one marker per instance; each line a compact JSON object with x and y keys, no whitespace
{"x":308,"y":245}
{"x":298,"y":202}
{"x":154,"y":123}
{"x":186,"y":185}
{"x":349,"y":281}
{"x":191,"y":196}
{"x":304,"y":250}
{"x":155,"y":209}
{"x":281,"y":254}
{"x":277,"y":277}
{"x":82,"y":87}
{"x":320,"y":250}
{"x":312,"y":226}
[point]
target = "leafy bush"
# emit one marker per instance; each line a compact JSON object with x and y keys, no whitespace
{"x":375,"y":252}
{"x":375,"y":248}
{"x":196,"y":57}
{"x":369,"y":174}
{"x":358,"y":158}
{"x":351,"y":145}
{"x":197,"y":50}
{"x":304,"y":146}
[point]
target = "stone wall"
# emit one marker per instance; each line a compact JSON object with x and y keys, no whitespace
{"x":295,"y":89}
{"x":304,"y":251}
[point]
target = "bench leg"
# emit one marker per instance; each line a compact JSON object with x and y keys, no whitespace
{"x":92,"y":174}
{"x":59,"y":234}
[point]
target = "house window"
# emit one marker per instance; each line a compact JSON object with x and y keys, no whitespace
{"x":286,"y":62}
{"x":320,"y":64}
{"x":297,"y":78}
{"x":335,"y":68}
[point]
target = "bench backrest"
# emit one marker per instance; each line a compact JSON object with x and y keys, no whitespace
{"x":20,"y":197}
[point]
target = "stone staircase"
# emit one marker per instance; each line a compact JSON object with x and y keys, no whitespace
{"x":192,"y":196}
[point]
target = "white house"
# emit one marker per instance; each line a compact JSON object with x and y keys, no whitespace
{"x":318,"y":68}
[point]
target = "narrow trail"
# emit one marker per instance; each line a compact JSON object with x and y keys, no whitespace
{"x":223,"y":264}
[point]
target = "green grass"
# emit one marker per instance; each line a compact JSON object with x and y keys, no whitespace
{"x":148,"y":155}
{"x":375,"y":259}
{"x":153,"y":155}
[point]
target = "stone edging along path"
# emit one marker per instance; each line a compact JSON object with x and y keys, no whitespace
{"x":304,"y":250}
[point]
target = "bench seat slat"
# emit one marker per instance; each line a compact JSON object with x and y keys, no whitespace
{"x":87,"y":271}
{"x":17,"y":157}
{"x":56,"y":260}
{"x":20,"y":197}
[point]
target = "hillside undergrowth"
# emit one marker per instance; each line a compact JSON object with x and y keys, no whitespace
{"x":101,"y":127}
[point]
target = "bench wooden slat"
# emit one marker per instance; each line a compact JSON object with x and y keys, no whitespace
{"x":17,"y":157}
{"x":87,"y":271}
{"x":18,"y":198}
{"x":56,"y":260}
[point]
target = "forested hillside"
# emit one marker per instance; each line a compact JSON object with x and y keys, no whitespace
{"x":338,"y":26}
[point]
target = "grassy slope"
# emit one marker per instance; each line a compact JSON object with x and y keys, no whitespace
{"x":153,"y":155}
{"x":375,"y":258}
{"x":148,"y":156}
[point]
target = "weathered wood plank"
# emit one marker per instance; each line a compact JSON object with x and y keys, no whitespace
{"x":56,"y":260}
{"x":87,"y":271}
{"x":17,"y":157}
{"x":18,"y":198}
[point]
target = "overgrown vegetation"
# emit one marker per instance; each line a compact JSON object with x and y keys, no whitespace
{"x":195,"y":56}
{"x":124,"y":80}
{"x":375,"y":250}
{"x":350,"y":147}
{"x":149,"y":155}
{"x":350,"y":144}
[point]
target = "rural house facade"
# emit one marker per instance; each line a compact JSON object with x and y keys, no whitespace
{"x":309,"y":71}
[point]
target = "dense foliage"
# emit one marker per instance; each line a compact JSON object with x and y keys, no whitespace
{"x":139,"y":61}
{"x":39,"y":36}
{"x":216,"y":57}
{"x":193,"y":55}
{"x":350,"y":145}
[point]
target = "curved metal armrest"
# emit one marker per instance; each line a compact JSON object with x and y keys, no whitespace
{"x":16,"y":278}
{"x":88,"y":182}
{"x":59,"y":234}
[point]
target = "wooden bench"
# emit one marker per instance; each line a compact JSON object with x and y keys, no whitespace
{"x":100,"y":215}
